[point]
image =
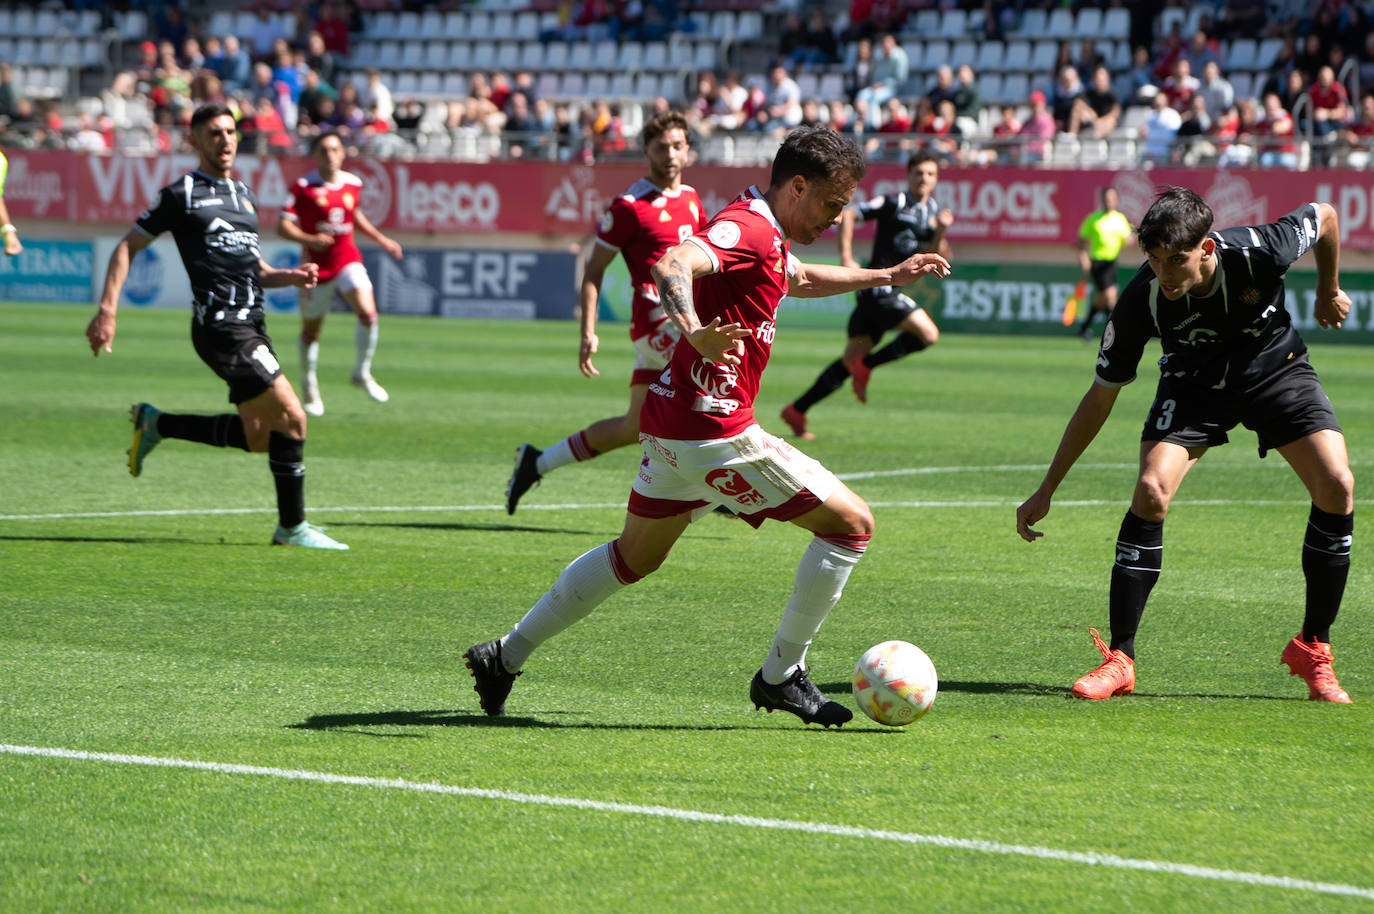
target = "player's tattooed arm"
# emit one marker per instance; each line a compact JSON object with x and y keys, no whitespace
{"x":673,"y":274}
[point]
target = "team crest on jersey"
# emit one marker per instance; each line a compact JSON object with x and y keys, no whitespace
{"x":724,"y":234}
{"x":664,"y":217}
{"x":348,"y":201}
{"x":693,"y":207}
{"x":1250,"y":296}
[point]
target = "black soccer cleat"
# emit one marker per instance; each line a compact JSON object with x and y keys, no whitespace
{"x":493,"y":682}
{"x":525,"y":474}
{"x":799,"y":696}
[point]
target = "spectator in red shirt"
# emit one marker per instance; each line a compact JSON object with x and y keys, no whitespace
{"x":333,"y":28}
{"x":1181,"y":85}
{"x":1330,"y":103}
{"x":1275,"y":134}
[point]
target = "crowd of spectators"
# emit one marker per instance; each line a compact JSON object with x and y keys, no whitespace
{"x":289,"y":77}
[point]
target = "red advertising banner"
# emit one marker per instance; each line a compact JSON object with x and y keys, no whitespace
{"x":1004,"y":205}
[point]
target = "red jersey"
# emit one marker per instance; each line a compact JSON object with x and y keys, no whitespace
{"x":320,"y":207}
{"x":696,"y":399}
{"x":643,"y":223}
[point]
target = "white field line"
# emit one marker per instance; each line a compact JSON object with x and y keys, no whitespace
{"x":619,"y":505}
{"x":710,"y":818}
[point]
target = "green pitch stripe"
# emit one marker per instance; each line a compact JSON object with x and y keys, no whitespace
{"x":690,"y":815}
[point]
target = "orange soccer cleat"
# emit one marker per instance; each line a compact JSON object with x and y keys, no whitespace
{"x":1312,"y":661}
{"x":1116,"y":675}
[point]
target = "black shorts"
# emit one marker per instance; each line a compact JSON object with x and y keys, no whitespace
{"x":1288,"y":406}
{"x":239,"y":352}
{"x":878,"y":312}
{"x":1103,"y":273}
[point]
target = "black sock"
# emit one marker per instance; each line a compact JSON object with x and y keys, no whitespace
{"x":285,"y":455}
{"x":1087,"y":323}
{"x":1325,"y":564}
{"x":1139,"y":556}
{"x":224,"y":430}
{"x":829,"y":381}
{"x":905,"y":344}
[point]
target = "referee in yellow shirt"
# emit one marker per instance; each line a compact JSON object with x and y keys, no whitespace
{"x":10,"y":233}
{"x":1100,"y":239}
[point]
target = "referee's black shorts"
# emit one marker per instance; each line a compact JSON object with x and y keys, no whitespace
{"x":1289,"y":405}
{"x":1103,"y":273}
{"x":239,"y":352}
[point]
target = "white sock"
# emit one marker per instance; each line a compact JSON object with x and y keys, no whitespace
{"x":310,"y":356}
{"x":821,"y":576}
{"x":581,"y":588}
{"x":365,"y":340}
{"x":557,"y":455}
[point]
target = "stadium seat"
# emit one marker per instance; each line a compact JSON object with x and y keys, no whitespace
{"x":483,"y":56}
{"x":572,"y":85}
{"x":431,"y":84}
{"x":6,"y":23}
{"x":22,"y":26}
{"x":456,"y":27}
{"x":1268,"y":53}
{"x":583,"y":55}
{"x":408,"y":26}
{"x":1243,"y":54}
{"x":502,"y":25}
{"x":934,"y":55}
{"x":963,"y":52}
{"x":221,"y":23}
{"x":1034,"y":23}
{"x":992,"y":57}
{"x":723,"y":25}
{"x":1060,"y":25}
{"x":532,"y":56}
{"x":546,"y":85}
{"x":459,"y":55}
{"x":26,"y":50}
{"x":831,"y":86}
{"x":526,"y":26}
{"x":388,"y":55}
{"x":954,"y":24}
{"x":749,"y":26}
{"x":555,"y":55}
{"x":431,"y":25}
{"x":1116,"y":23}
{"x":927,"y":24}
{"x":809,"y":84}
{"x":705,"y":56}
{"x":1170,"y":15}
{"x":243,"y":24}
{"x":457,"y":84}
{"x":622,"y":85}
{"x":1244,"y":84}
{"x":1043,"y":55}
{"x":437,"y":55}
{"x":915,"y":55}
{"x":548,"y":21}
{"x":598,"y":85}
{"x":479,"y":27}
{"x":7,"y":50}
{"x":132,"y":25}
{"x":412,"y":55}
{"x":406,"y":83}
{"x":990,"y":87}
{"x":1018,"y":56}
{"x":508,"y":55}
{"x":1089,"y":23}
{"x":1015,"y":88}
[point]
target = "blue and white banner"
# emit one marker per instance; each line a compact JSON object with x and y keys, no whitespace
{"x":49,"y":271}
{"x":514,"y":285}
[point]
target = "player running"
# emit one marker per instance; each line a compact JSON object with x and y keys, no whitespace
{"x":1231,"y":357}
{"x":702,"y":445}
{"x":654,"y":214}
{"x":321,"y":215}
{"x":907,"y":223}
{"x":214,"y":220}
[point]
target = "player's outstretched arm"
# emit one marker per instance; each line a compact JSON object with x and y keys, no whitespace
{"x":589,"y":297}
{"x":817,"y":280}
{"x":364,"y":225}
{"x":1332,"y":305}
{"x":290,"y":229}
{"x":100,"y":331}
{"x":305,"y":276}
{"x":1086,"y":422}
{"x":673,"y":274}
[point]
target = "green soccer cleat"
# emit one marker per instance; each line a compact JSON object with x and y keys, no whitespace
{"x":305,"y":534}
{"x":144,"y":417}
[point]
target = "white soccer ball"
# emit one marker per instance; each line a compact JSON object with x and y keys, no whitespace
{"x":895,"y":683}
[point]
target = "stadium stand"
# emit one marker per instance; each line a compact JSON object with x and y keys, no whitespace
{"x":569,"y":56}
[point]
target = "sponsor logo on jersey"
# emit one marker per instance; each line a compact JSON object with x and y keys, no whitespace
{"x":724,"y":234}
{"x":218,"y":224}
{"x":208,"y":201}
{"x":665,"y":217}
{"x":1108,"y":337}
{"x":348,"y":200}
{"x":714,"y":379}
{"x":1250,"y":296}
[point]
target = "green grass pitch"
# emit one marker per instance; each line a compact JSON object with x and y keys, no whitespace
{"x":341,"y":762}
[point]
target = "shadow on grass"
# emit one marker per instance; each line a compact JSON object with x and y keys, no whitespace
{"x":351,"y":723}
{"x":970,"y":687}
{"x":125,"y":540}
{"x":485,"y":528}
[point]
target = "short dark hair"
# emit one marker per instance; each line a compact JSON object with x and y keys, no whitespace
{"x":920,"y":157}
{"x":661,"y":123}
{"x":818,"y":154}
{"x":1178,"y":220}
{"x":209,"y":111}
{"x":322,"y":136}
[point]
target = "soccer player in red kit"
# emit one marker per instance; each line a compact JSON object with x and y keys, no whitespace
{"x":653,"y":215}
{"x":321,"y":214}
{"x":702,"y":446}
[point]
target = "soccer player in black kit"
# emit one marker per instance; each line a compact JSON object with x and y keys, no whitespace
{"x":908,"y":223}
{"x":214,"y":220}
{"x":1231,"y":357}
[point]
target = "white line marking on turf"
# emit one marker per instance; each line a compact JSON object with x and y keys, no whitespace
{"x":692,"y":815}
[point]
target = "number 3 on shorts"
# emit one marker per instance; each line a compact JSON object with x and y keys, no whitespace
{"x":1166,"y":415}
{"x":264,"y":356}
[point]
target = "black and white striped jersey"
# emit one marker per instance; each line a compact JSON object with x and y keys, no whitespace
{"x":215,"y":224}
{"x":1234,"y":338}
{"x":905,"y":227}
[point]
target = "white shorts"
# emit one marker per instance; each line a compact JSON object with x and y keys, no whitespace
{"x":315,"y":302}
{"x":758,"y":475}
{"x":653,"y":350}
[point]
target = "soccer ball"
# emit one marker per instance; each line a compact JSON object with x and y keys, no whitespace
{"x":895,"y":683}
